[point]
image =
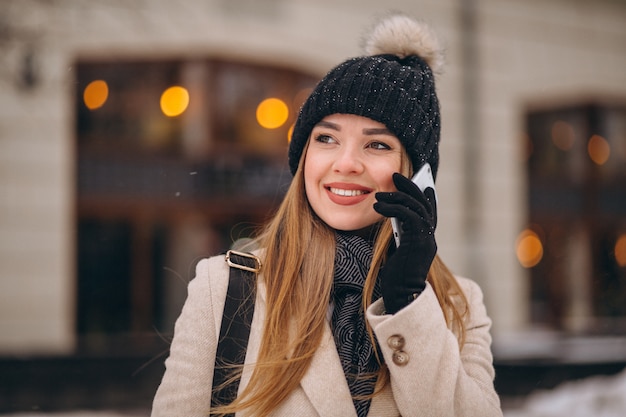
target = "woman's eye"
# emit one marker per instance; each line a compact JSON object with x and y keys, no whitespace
{"x":324,"y":138}
{"x":379,"y":145}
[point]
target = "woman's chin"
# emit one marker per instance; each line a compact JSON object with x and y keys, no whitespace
{"x":354,"y":226}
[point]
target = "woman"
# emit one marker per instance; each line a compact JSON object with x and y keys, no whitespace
{"x":346,"y":323}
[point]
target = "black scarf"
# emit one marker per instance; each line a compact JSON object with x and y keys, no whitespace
{"x":352,"y":262}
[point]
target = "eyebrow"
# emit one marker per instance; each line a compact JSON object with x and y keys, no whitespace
{"x":328,"y":125}
{"x":366,"y":131}
{"x":378,"y":131}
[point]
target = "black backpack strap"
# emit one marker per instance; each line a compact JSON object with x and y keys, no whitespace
{"x":235,"y":327}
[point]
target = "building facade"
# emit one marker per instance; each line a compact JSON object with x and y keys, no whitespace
{"x":104,"y":211}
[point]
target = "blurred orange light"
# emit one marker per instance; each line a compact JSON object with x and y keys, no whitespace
{"x":529,"y":248}
{"x":599,"y":149}
{"x":562,"y":135}
{"x":620,"y":250}
{"x":272,"y":113}
{"x":96,"y":94}
{"x":290,"y":133}
{"x":174,"y":101}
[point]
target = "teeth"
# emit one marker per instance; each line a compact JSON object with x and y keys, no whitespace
{"x":346,"y":193}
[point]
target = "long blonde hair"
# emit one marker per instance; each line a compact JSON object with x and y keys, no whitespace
{"x":298,"y":262}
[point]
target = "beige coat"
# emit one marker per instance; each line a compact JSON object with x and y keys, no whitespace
{"x":434,"y":380}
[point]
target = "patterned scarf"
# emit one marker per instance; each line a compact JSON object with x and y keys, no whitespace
{"x":352,"y":262}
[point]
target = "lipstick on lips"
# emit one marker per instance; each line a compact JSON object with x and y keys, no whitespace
{"x":346,"y":194}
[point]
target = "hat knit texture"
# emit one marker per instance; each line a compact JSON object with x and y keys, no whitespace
{"x":394,"y":85}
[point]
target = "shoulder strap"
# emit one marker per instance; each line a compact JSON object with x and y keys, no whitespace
{"x":235,"y":327}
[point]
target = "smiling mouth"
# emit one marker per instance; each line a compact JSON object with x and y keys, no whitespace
{"x":347,"y":193}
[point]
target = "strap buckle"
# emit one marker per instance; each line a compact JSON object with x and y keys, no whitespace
{"x":231,"y":262}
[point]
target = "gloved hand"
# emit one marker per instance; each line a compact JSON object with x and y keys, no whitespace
{"x":403,"y":277}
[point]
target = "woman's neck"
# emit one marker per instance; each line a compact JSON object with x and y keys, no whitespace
{"x":368,"y":233}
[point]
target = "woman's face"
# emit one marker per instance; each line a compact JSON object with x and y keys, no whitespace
{"x":349,"y":159}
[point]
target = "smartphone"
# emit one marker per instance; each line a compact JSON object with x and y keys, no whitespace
{"x":423,"y":179}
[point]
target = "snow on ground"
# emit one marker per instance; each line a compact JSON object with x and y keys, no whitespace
{"x":599,"y":396}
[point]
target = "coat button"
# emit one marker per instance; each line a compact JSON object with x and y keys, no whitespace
{"x":400,"y":357}
{"x":396,"y":342}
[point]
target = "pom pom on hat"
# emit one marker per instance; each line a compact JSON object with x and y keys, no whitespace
{"x":395,"y":86}
{"x":402,"y":36}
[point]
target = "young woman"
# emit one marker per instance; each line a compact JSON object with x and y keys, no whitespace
{"x":345,"y":322}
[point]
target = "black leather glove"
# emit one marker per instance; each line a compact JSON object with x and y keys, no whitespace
{"x":403,"y":277}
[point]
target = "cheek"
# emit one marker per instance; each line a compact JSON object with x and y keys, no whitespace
{"x":385,"y":174}
{"x":315,"y":165}
{"x":311,"y":173}
{"x":388,"y":185}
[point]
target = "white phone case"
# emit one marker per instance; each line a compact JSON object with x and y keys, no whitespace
{"x":423,"y":179}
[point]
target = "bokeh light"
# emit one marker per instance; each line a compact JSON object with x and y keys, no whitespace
{"x":174,"y":101}
{"x":96,"y":94}
{"x":272,"y":113}
{"x":529,"y":248}
{"x":620,"y":250}
{"x":599,"y":149}
{"x":562,"y":135}
{"x":290,"y":132}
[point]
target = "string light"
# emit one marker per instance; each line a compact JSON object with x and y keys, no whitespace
{"x":174,"y":101}
{"x":529,"y":248}
{"x":95,"y":94}
{"x":272,"y":113}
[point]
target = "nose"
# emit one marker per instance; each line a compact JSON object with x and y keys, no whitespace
{"x":348,"y":161}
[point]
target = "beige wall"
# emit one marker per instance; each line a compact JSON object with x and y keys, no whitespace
{"x":530,"y":51}
{"x":534,"y":53}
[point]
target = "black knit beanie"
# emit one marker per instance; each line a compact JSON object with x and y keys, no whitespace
{"x":394,"y":85}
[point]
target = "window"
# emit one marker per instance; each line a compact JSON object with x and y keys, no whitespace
{"x":175,"y":160}
{"x":577,"y":206}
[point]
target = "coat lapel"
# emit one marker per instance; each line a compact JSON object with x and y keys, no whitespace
{"x":324,"y":382}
